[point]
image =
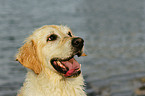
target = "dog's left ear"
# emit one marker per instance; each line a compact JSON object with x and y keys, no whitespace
{"x":28,"y":56}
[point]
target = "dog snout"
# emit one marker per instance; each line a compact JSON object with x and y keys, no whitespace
{"x":78,"y":43}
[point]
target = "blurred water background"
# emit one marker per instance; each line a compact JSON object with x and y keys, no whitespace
{"x":114,"y":34}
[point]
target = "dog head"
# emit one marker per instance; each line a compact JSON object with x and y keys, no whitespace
{"x":53,"y":47}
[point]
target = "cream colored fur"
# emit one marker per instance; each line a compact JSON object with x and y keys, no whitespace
{"x":42,"y":79}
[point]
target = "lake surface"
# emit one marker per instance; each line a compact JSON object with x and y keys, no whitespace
{"x":114,"y":34}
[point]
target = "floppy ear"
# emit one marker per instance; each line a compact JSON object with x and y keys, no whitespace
{"x":28,"y":57}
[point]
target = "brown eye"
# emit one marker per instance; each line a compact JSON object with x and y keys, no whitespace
{"x":52,"y":37}
{"x":69,"y":34}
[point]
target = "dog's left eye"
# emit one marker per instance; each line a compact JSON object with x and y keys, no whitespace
{"x":52,"y":37}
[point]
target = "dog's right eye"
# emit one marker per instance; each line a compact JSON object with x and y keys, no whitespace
{"x":52,"y":37}
{"x":69,"y":34}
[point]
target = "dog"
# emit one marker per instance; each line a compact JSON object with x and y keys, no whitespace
{"x":48,"y":54}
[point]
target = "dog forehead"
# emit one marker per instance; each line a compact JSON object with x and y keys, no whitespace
{"x":50,"y":29}
{"x":61,"y":30}
{"x":64,"y":29}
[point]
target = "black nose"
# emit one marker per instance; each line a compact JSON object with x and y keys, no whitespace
{"x":78,"y":43}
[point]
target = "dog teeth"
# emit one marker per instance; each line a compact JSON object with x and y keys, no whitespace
{"x":61,"y":65}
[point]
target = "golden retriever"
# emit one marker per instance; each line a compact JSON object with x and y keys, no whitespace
{"x":48,"y":54}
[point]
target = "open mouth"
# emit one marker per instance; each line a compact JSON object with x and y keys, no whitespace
{"x":67,"y":67}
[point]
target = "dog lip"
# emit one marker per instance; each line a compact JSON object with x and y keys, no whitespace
{"x":59,"y":59}
{"x":79,"y":54}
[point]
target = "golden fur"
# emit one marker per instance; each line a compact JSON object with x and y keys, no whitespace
{"x":42,"y":79}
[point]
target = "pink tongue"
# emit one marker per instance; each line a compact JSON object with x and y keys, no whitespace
{"x":73,"y":65}
{"x":69,"y":73}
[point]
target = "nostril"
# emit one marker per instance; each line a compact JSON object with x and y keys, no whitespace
{"x":77,"y":43}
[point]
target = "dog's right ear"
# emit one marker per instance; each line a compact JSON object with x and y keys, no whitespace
{"x":28,"y":56}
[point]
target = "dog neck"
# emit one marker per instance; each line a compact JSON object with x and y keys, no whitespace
{"x":48,"y":82}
